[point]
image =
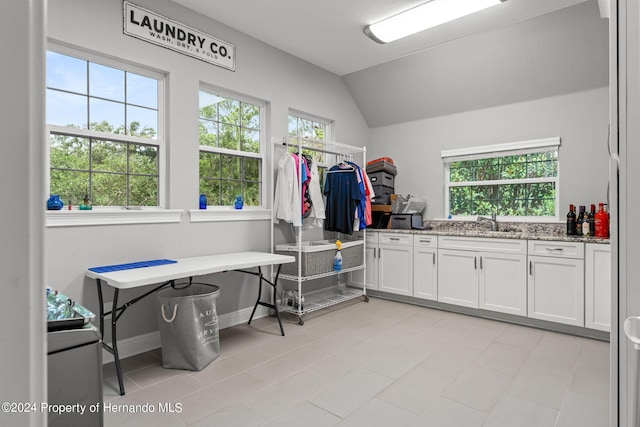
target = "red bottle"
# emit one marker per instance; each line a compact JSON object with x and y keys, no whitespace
{"x":601,"y":222}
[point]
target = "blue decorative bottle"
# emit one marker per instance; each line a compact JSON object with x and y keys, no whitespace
{"x":239,"y":202}
{"x":54,"y":203}
{"x":203,"y":201}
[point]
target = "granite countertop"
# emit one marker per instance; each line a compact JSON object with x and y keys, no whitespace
{"x":507,"y":230}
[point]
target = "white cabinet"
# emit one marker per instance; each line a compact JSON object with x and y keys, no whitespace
{"x":425,"y":267}
{"x":395,"y":262}
{"x":483,"y":273}
{"x":369,"y":276}
{"x":503,"y":282}
{"x":597,"y":286}
{"x":556,"y":282}
{"x":458,"y":277}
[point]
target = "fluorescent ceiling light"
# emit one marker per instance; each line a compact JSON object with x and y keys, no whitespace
{"x":425,"y":16}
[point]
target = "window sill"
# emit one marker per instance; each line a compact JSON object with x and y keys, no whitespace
{"x":112,"y":216}
{"x":227,"y":213}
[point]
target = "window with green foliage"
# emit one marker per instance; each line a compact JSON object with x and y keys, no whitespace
{"x":508,"y":182}
{"x":105,"y":134}
{"x":231,"y":149}
{"x":311,"y":129}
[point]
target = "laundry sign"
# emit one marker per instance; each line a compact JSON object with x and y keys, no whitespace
{"x":162,"y":31}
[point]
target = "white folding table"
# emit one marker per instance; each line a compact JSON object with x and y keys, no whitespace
{"x":166,"y":274}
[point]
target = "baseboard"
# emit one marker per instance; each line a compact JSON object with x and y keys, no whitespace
{"x":143,"y":343}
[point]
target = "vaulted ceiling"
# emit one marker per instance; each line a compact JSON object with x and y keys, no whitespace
{"x":516,"y":51}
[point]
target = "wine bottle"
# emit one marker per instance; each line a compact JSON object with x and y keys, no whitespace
{"x":592,"y":220}
{"x":580,"y":220}
{"x":571,"y":221}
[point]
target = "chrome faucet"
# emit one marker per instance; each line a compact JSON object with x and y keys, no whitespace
{"x":493,"y":221}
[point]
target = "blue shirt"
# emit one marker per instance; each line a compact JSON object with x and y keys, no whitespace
{"x":343,"y":196}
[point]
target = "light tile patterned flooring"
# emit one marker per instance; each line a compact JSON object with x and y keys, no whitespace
{"x":380,"y":363}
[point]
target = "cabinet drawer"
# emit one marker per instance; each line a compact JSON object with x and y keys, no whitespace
{"x":556,"y":249}
{"x":372,"y":238}
{"x":396,"y":239}
{"x":425,"y":241}
{"x":511,"y":246}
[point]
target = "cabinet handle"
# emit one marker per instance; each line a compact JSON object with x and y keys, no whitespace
{"x":480,"y":263}
{"x":475,"y":262}
{"x":530,"y":268}
{"x":395,"y":239}
{"x":434,"y":258}
{"x":425,"y":240}
{"x":380,"y":253}
{"x":555,"y":249}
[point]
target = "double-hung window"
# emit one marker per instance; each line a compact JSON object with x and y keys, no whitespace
{"x":315,"y":133}
{"x":232,"y":147}
{"x":512,"y":180}
{"x":105,"y":128}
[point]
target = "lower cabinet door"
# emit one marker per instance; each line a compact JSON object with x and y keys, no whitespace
{"x":425,"y":273}
{"x":597,"y":287}
{"x":395,"y":269}
{"x":369,"y":276}
{"x":503,"y":283}
{"x":458,"y":277}
{"x":556,"y":290}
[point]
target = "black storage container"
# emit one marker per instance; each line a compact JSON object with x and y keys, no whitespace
{"x":383,"y":195}
{"x":382,"y":178}
{"x":381,"y":165}
{"x":401,"y":221}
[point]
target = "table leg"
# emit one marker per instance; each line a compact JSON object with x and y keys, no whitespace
{"x":115,"y":313}
{"x":257,"y":301}
{"x":275,"y":295}
{"x":274,"y":306}
{"x":114,"y":344}
{"x":101,"y":308}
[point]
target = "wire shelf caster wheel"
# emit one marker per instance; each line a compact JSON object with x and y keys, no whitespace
{"x":365,"y":298}
{"x":301,"y":321}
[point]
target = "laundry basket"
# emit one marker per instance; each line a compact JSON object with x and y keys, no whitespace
{"x":189,"y":326}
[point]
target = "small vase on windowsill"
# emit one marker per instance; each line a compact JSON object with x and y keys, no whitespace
{"x":54,"y":203}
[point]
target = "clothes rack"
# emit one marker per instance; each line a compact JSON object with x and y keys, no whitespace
{"x":336,"y":294}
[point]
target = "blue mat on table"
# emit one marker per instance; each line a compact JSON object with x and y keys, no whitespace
{"x":131,"y":265}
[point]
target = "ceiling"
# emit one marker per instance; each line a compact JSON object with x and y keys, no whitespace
{"x":328,"y":33}
{"x":517,"y":51}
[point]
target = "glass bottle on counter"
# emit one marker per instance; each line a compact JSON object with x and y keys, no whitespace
{"x":586,"y":229}
{"x":580,"y":220}
{"x":601,"y":222}
{"x":571,"y":221}
{"x":591,"y":217}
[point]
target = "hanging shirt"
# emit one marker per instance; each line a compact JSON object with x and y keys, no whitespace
{"x":362,"y":203}
{"x":370,"y":194}
{"x":343,"y":196}
{"x":317,"y":202}
{"x":302,"y":170}
{"x":286,"y":204}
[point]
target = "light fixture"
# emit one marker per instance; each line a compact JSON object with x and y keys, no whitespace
{"x":425,"y":16}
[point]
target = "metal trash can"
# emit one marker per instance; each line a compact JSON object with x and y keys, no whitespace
{"x":189,"y":326}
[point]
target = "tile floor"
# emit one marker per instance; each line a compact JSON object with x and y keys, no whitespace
{"x":380,"y":363}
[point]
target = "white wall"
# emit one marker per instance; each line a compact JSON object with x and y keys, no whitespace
{"x":262,"y":72}
{"x":579,"y":119}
